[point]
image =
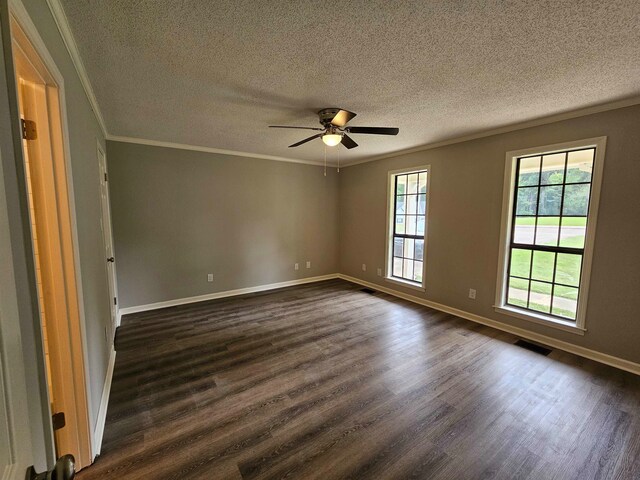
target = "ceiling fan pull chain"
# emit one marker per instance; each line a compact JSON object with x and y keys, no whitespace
{"x":338,"y":160}
{"x":325,"y":160}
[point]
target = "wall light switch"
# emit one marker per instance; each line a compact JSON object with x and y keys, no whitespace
{"x":209,"y":277}
{"x":364,"y":267}
{"x":308,"y":263}
{"x":296,"y":266}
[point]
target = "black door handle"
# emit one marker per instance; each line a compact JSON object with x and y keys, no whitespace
{"x":64,"y":469}
{"x":111,"y":259}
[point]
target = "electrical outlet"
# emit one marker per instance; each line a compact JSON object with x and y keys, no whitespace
{"x":472,"y":293}
{"x":379,"y":272}
{"x":308,"y":263}
{"x":364,"y":267}
{"x":209,"y":277}
{"x":296,"y":266}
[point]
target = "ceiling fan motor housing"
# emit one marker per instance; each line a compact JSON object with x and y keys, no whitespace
{"x":326,"y":115}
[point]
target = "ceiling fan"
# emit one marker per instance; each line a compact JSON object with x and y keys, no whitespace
{"x":334,"y":129}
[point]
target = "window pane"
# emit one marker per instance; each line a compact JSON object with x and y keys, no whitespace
{"x":568,"y":269}
{"x":547,"y":231}
{"x":580,"y":166}
{"x":540,"y":297}
{"x":408,"y":269}
{"x":417,"y":271}
{"x":409,"y":207}
{"x":401,"y":186}
{"x":529,"y":173}
{"x":543,"y":266}
{"x":576,"y":199}
{"x":520,"y":262}
{"x":422,"y":204}
{"x":565,"y":302}
{"x":408,"y":247}
{"x":524,"y":230}
{"x":412,"y":183}
{"x":397,"y":247}
{"x":552,"y":169}
{"x":527,"y":201}
{"x":411,"y":224}
{"x":420,"y":225}
{"x":518,"y":291}
{"x":573,"y":231}
{"x":420,"y":250}
{"x":422,"y":183}
{"x":550,"y":198}
{"x":397,"y":267}
{"x":412,"y":204}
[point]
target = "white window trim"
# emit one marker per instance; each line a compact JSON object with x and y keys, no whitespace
{"x":388,"y":266}
{"x":578,"y":326}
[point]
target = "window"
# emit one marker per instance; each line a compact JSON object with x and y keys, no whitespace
{"x":549,"y":221}
{"x":408,"y":197}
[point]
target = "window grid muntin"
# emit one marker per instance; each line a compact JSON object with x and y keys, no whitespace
{"x":533,"y":247}
{"x":397,"y":235}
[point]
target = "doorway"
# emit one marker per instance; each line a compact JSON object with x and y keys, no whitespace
{"x":40,"y":98}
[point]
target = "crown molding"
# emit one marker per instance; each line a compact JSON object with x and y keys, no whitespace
{"x":558,"y":117}
{"x":197,"y":148}
{"x":72,"y":47}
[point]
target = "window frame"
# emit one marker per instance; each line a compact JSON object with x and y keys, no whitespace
{"x":506,"y":230}
{"x":391,"y":204}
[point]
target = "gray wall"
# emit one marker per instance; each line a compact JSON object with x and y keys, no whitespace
{"x":84,"y":133}
{"x":464,"y":225}
{"x":178,"y":215}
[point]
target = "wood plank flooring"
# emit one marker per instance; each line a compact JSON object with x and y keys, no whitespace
{"x":324,"y":381}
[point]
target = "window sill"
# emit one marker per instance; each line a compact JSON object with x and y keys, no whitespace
{"x":541,"y":319}
{"x":406,"y":283}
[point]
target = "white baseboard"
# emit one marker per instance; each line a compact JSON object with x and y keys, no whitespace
{"x":227,"y":293}
{"x":520,"y":332}
{"x":104,"y":403}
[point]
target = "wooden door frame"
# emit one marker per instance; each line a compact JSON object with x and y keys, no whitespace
{"x":25,"y":36}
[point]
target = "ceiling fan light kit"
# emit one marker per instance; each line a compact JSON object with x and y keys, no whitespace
{"x":331,"y":139}
{"x":334,"y":129}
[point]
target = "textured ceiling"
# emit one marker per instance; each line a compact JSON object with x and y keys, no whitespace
{"x":216,"y":74}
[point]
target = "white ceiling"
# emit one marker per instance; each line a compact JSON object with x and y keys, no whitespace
{"x":216,"y":74}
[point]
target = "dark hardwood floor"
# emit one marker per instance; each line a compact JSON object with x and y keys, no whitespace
{"x":325,"y":381}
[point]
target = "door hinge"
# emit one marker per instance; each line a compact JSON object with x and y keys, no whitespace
{"x":29,"y":129}
{"x":115,"y":301}
{"x":57,"y":419}
{"x":105,"y":177}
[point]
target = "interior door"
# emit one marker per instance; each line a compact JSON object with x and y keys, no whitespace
{"x":106,"y":231}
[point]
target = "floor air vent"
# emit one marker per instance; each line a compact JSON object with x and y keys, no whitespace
{"x":368,"y":290}
{"x":533,"y":347}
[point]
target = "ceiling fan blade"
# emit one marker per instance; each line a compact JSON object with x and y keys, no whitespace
{"x":306,"y":140}
{"x":342,"y":118}
{"x":301,"y":128}
{"x":373,"y":130}
{"x":348,"y":142}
